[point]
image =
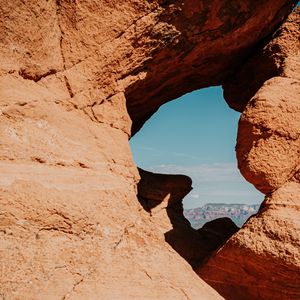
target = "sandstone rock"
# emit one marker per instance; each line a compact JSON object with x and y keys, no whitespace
{"x":216,"y":233}
{"x":161,"y":195}
{"x":278,"y":57}
{"x":268,"y":143}
{"x":158,"y":188}
{"x":71,"y":225}
{"x":205,"y":41}
{"x":261,"y":261}
{"x":96,"y":50}
{"x":211,"y":237}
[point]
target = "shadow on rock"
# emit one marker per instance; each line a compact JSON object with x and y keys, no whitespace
{"x":161,"y":196}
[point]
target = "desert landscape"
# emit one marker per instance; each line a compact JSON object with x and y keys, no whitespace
{"x":239,"y":213}
{"x":78,"y":218}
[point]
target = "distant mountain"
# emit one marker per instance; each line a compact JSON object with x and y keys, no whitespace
{"x":239,"y":213}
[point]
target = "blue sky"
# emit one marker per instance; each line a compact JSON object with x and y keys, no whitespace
{"x":195,"y":135}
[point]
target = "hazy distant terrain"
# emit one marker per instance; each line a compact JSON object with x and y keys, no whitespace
{"x":239,"y":213}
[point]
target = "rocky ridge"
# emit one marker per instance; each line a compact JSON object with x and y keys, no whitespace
{"x":239,"y":213}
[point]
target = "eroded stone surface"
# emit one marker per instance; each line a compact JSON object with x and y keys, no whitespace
{"x":97,"y":49}
{"x":262,"y":260}
{"x":268,"y":143}
{"x":279,"y":57}
{"x":71,"y":225}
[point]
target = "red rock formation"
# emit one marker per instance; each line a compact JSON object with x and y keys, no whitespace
{"x":278,"y":57}
{"x":70,"y":223}
{"x":262,"y":260}
{"x":203,"y":42}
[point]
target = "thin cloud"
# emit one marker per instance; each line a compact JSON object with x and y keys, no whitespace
{"x":216,"y":183}
{"x":223,"y":194}
{"x":145,"y":148}
{"x":164,"y":153}
{"x":194,"y":196}
{"x":178,"y":154}
{"x":217,"y":172}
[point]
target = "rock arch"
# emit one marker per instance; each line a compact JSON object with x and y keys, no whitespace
{"x":70,"y":223}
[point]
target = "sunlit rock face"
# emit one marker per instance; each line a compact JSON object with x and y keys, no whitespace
{"x":265,"y":251}
{"x":71,"y":225}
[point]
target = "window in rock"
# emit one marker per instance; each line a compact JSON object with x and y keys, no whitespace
{"x":195,"y":135}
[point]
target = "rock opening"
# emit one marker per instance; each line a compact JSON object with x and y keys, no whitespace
{"x":198,"y":122}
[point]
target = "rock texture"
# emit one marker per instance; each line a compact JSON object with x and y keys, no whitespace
{"x":202,"y":43}
{"x":262,"y":260}
{"x":71,"y":226}
{"x":278,"y":56}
